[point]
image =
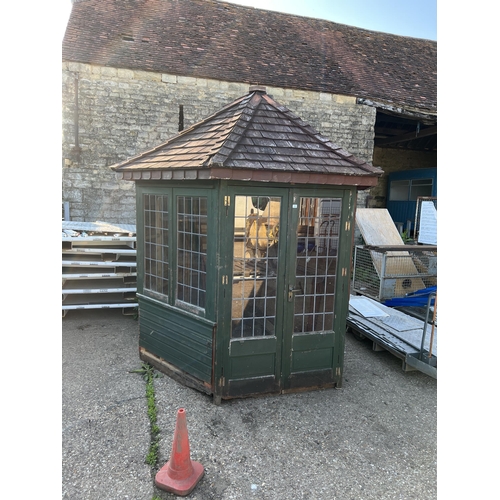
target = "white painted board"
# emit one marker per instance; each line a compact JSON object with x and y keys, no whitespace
{"x":427,"y":228}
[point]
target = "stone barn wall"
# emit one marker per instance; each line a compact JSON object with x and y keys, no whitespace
{"x":119,"y":113}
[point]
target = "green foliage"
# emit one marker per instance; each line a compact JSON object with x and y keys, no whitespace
{"x":149,"y":374}
{"x":152,"y":456}
{"x":152,"y":411}
{"x":405,"y":236}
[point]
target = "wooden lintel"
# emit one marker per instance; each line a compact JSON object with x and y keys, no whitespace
{"x":426,"y":132}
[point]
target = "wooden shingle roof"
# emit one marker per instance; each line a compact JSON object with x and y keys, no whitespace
{"x":253,"y":138}
{"x":218,"y":40}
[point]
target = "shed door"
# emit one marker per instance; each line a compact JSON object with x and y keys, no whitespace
{"x":282,"y":287}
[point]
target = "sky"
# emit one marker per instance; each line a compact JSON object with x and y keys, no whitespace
{"x":401,"y":17}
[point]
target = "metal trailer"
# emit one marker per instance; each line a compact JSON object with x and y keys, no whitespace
{"x":412,"y":340}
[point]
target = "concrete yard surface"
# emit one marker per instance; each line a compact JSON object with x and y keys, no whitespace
{"x":376,"y":438}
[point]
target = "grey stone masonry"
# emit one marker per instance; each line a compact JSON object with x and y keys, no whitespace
{"x":118,"y":113}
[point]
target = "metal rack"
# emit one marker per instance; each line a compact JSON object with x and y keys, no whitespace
{"x":424,"y":360}
{"x":404,"y":336}
{"x":386,"y":271}
{"x":99,"y":267}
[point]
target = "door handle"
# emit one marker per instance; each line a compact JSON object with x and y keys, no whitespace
{"x":292,"y":291}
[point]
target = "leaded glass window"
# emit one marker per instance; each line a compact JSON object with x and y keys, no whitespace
{"x":191,"y":250}
{"x":317,"y":247}
{"x":156,"y":244}
{"x":256,"y":235}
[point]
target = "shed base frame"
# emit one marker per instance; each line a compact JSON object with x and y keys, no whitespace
{"x":189,"y":381}
{"x":173,"y":372}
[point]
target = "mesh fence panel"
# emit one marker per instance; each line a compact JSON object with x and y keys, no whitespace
{"x":383,"y":274}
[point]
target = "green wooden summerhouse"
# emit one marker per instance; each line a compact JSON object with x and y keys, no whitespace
{"x":244,"y":235}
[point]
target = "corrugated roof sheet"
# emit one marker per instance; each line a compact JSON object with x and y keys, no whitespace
{"x":211,"y":39}
{"x":254,"y":136}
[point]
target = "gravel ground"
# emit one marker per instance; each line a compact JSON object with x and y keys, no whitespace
{"x":373,"y":439}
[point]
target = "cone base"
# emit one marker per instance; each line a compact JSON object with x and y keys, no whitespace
{"x":179,"y":487}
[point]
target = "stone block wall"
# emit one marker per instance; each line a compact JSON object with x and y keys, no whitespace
{"x":122,"y":112}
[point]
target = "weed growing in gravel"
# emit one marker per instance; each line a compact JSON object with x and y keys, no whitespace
{"x":152,"y":456}
{"x":148,"y":372}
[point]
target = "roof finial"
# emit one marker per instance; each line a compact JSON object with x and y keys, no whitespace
{"x":257,"y":88}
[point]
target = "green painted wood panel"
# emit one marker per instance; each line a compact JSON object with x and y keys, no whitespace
{"x":312,"y":351}
{"x":252,"y":386}
{"x":177,"y":337}
{"x":250,"y":347}
{"x":252,"y":366}
{"x":311,"y":341}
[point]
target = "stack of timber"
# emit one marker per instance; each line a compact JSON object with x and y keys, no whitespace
{"x":99,"y":266}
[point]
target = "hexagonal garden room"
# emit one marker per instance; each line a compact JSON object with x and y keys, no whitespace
{"x":244,"y":238}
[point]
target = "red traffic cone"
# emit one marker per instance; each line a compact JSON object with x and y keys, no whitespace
{"x":180,"y":475}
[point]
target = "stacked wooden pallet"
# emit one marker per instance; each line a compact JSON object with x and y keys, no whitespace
{"x":99,"y":266}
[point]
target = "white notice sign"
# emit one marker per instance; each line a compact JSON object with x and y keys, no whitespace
{"x":427,"y":230}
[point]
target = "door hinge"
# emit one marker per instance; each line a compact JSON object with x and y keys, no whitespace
{"x":337,"y":371}
{"x":222,"y":382}
{"x":347,"y":225}
{"x":344,"y":271}
{"x":227,"y":201}
{"x":225,"y":279}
